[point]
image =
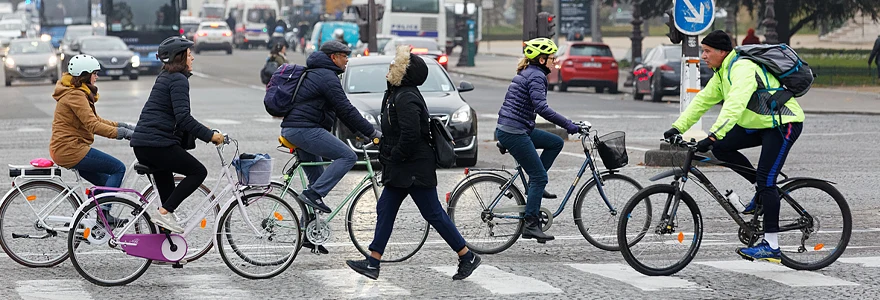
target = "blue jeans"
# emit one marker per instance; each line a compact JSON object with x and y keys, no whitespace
{"x":523,"y":148}
{"x":429,"y":205}
{"x":314,"y":143}
{"x":101,"y":169}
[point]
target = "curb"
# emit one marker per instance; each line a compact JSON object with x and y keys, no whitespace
{"x":478,"y":75}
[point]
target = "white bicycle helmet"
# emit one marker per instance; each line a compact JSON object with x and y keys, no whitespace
{"x":338,"y":33}
{"x":82,"y":63}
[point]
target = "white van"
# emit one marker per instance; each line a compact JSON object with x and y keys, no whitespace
{"x":250,"y":21}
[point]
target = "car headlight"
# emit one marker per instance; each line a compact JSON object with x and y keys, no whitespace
{"x":10,"y":63}
{"x":369,"y":118}
{"x":53,"y":61}
{"x":135,"y":61}
{"x":46,"y":37}
{"x":462,"y":115}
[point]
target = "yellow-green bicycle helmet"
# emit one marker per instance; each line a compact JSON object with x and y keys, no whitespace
{"x":538,"y":46}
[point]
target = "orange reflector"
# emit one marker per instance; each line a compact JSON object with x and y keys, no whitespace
{"x":204,"y":223}
{"x":447,"y":198}
{"x":467,"y":171}
{"x":693,"y":90}
{"x":693,"y":61}
{"x":87,"y":233}
{"x":680,"y":237}
{"x":31,"y":197}
{"x":819,"y":246}
{"x":278,"y":216}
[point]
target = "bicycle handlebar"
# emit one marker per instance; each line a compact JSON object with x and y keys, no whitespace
{"x":678,"y":140}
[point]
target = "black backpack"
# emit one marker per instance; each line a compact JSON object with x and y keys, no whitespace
{"x":793,"y":73}
{"x":267,"y":71}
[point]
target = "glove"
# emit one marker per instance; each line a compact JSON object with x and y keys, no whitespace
{"x":376,"y":135}
{"x":571,"y":128}
{"x":127,"y":125}
{"x":669,"y":133}
{"x":123,"y":133}
{"x":705,"y":145}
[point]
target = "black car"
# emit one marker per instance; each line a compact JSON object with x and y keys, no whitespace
{"x":113,"y":54}
{"x":420,"y":46}
{"x":659,"y":73}
{"x":364,"y":84}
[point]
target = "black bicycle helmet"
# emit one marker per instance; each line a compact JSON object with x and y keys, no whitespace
{"x":170,"y":47}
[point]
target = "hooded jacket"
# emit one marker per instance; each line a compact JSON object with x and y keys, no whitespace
{"x":167,"y":109}
{"x":76,"y":123}
{"x":321,"y":100}
{"x":743,"y":105}
{"x":526,"y":98}
{"x":405,"y":151}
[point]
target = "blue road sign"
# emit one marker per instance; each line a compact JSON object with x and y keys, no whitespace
{"x":693,"y":17}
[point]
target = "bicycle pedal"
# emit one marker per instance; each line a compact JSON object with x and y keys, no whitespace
{"x":542,"y":241}
{"x":177,"y":266}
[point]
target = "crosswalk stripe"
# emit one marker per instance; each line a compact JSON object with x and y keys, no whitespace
{"x":626,"y":274}
{"x":206,"y":286}
{"x":870,"y":262}
{"x":354,"y":285}
{"x":778,"y":273}
{"x":222,"y":121}
{"x":51,"y":290}
{"x":503,"y":283}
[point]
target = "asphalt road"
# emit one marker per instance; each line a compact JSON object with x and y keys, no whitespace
{"x":226,"y":94}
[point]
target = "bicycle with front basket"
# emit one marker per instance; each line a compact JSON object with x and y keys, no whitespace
{"x":257,"y":236}
{"x":814,"y":220}
{"x":488,"y":207}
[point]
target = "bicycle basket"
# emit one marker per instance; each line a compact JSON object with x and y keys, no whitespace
{"x":253,"y":169}
{"x":612,"y":150}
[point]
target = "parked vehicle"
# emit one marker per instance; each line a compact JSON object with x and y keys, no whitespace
{"x":659,"y":73}
{"x":584,"y":64}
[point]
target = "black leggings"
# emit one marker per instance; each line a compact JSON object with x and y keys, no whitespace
{"x":167,"y":161}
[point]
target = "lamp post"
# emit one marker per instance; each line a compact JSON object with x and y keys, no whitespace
{"x":770,"y":36}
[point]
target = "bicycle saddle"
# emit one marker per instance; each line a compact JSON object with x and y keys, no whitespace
{"x":284,"y":142}
{"x":501,"y":148}
{"x":143,"y":169}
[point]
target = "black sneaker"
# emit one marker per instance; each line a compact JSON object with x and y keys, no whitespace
{"x":466,"y":267}
{"x":314,"y":201}
{"x":363,"y":267}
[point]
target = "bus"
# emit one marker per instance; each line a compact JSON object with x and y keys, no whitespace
{"x":56,"y":15}
{"x":421,"y":18}
{"x":143,"y":24}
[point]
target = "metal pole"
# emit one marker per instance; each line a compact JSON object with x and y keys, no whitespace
{"x":463,"y":57}
{"x":690,"y":81}
{"x":636,"y":37}
{"x":372,"y":45}
{"x":770,"y":35}
{"x":594,"y":22}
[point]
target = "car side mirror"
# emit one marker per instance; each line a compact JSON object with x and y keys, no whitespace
{"x":465,"y":86}
{"x":74,"y":47}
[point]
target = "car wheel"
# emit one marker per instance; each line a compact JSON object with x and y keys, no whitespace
{"x":229,"y":51}
{"x":636,"y":94}
{"x":132,"y":77}
{"x":656,"y":90}
{"x":8,"y":82}
{"x":562,"y":86}
{"x":600,"y":89}
{"x":449,"y":50}
{"x":613,"y":89}
{"x":198,"y":51}
{"x":468,"y":161}
{"x":550,"y":87}
{"x":114,"y":77}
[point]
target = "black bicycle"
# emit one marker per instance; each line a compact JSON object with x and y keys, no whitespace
{"x":488,"y":207}
{"x":814,"y":230}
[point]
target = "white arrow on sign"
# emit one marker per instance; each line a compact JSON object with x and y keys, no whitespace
{"x":699,"y":16}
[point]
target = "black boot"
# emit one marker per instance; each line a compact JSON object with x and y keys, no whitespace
{"x":548,"y":195}
{"x":533,"y":230}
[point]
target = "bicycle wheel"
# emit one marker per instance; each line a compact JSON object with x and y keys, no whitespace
{"x":487,"y":232}
{"x":93,"y":253}
{"x":410,"y":228}
{"x":201,"y":239}
{"x":267,"y":252}
{"x":828,"y":220}
{"x":666,"y":245}
{"x":596,"y":222}
{"x":22,"y":237}
{"x":288,"y":195}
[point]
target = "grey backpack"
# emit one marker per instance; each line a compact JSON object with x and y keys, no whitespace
{"x":793,"y":73}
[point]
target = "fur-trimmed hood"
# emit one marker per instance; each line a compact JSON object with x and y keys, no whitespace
{"x":407,"y":69}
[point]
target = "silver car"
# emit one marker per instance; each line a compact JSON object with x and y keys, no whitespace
{"x":30,"y":59}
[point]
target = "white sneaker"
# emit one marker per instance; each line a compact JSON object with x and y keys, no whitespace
{"x":168,"y":221}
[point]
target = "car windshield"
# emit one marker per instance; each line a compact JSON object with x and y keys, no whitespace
{"x":10,"y":26}
{"x":371,"y":79}
{"x":72,"y":34}
{"x":381,"y":42}
{"x":260,"y":15}
{"x":672,"y":53}
{"x":587,"y":50}
{"x":30,"y":47}
{"x":426,"y":44}
{"x":103,"y":45}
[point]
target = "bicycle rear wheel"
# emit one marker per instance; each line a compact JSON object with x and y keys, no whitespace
{"x":486,"y":232}
{"x":94,"y":254}
{"x":596,"y":222}
{"x":666,"y":245}
{"x":828,"y":220}
{"x":267,"y":252}
{"x":410,"y":228}
{"x":201,"y":238}
{"x":22,"y":237}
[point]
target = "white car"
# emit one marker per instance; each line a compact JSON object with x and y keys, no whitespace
{"x":213,"y":36}
{"x":10,"y":29}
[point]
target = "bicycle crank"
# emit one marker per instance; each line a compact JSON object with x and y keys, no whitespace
{"x":318,"y":232}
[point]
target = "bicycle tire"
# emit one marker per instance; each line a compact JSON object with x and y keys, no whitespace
{"x":622,"y":233}
{"x":210,"y":243}
{"x":224,"y":228}
{"x":290,"y":196}
{"x":453,"y":209}
{"x":371,"y":207}
{"x":73,"y":242}
{"x":579,"y":203}
{"x":846,"y":230}
{"x":7,"y":202}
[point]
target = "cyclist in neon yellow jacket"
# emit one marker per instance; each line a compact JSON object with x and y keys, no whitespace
{"x":746,"y":120}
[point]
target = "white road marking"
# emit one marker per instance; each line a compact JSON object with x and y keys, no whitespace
{"x":503,"y":283}
{"x":778,"y":273}
{"x":51,"y":290}
{"x":354,"y":285}
{"x":870,"y":261}
{"x":30,"y":129}
{"x":489,"y":116}
{"x":626,"y":274}
{"x":207,"y":286}
{"x":222,"y":121}
{"x":268,"y":120}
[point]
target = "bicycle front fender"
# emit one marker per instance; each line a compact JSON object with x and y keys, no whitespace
{"x":793,"y":179}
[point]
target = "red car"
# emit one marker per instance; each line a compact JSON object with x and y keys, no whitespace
{"x":584,"y":64}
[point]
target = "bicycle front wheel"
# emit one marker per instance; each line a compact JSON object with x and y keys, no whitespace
{"x":201,"y":238}
{"x":95,"y":256}
{"x":24,"y":239}
{"x":826,"y":215}
{"x":596,"y":221}
{"x":270,"y":249}
{"x":487,"y":232}
{"x":670,"y":240}
{"x":410,"y":228}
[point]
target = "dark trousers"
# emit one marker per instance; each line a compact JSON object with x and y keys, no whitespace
{"x":775,"y":144}
{"x":167,"y":161}
{"x":523,"y":148}
{"x":429,"y":205}
{"x":101,"y":169}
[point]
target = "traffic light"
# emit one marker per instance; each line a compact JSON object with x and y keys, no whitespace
{"x":546,"y":25}
{"x":674,"y":35}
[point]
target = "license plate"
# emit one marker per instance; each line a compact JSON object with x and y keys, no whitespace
{"x":32,"y":70}
{"x":114,"y":72}
{"x":592,"y":65}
